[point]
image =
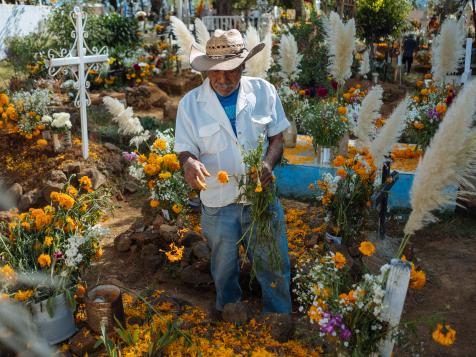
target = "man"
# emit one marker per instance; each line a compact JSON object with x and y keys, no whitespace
{"x":215,"y":122}
{"x":409,"y":46}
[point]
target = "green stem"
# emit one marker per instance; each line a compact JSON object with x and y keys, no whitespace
{"x":403,"y":245}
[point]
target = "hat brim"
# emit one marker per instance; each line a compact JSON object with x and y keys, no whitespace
{"x":202,"y":63}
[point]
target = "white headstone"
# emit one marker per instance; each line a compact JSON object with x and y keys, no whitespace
{"x":79,"y":63}
{"x":467,"y":61}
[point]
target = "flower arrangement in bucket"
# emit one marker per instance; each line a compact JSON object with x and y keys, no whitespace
{"x":58,"y":241}
{"x":60,"y":125}
{"x":159,"y":170}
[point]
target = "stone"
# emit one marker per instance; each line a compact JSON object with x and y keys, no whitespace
{"x":168,"y":232}
{"x":191,"y":275}
{"x":14,"y":193}
{"x":144,"y":238}
{"x":49,"y":187}
{"x":158,"y":221}
{"x":97,"y":178}
{"x":131,"y":187}
{"x":201,"y":250}
{"x":177,"y":85}
{"x":158,"y":97}
{"x":151,"y":258}
{"x":82,"y":342}
{"x":170,"y":110}
{"x":112,"y":147}
{"x":203,"y":266}
{"x":191,"y":237}
{"x":123,"y":242}
{"x":281,"y":326}
{"x":29,"y":199}
{"x":72,"y":168}
{"x":57,"y":176}
{"x":148,"y":213}
{"x":237,"y":313}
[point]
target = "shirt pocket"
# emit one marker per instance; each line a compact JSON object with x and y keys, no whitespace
{"x":260,"y":124}
{"x":212,"y":139}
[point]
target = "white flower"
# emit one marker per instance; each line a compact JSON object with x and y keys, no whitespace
{"x":61,"y":120}
{"x":46,"y":119}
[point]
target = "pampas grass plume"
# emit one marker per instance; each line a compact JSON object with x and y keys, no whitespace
{"x":389,"y":133}
{"x":450,"y":159}
{"x":369,"y":111}
{"x":289,"y":58}
{"x":124,"y":117}
{"x":202,"y":34}
{"x":260,"y":63}
{"x":448,"y":49}
{"x":364,"y":66}
{"x":184,"y":39}
{"x":340,"y":40}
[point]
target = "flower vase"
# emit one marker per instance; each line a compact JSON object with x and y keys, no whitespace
{"x":394,"y":299}
{"x":103,"y":306}
{"x":325,"y":155}
{"x":67,"y":139}
{"x":290,"y":136}
{"x":56,"y":327}
{"x":57,"y":146}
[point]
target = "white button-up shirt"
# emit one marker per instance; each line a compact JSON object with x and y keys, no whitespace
{"x":203,"y":129}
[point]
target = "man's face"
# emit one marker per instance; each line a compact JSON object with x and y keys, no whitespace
{"x":225,"y":82}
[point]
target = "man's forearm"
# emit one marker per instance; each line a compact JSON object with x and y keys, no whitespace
{"x":275,"y":150}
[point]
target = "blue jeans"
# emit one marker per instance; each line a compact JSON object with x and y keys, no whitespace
{"x":224,"y":227}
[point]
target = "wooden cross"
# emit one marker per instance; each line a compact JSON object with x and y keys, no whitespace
{"x":79,"y":64}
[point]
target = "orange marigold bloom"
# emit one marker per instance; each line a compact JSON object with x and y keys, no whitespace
{"x":338,"y":161}
{"x":341,"y":172}
{"x":444,"y":335}
{"x":41,"y":142}
{"x":21,"y":295}
{"x":367,"y":248}
{"x":419,"y":84}
{"x":424,"y":91}
{"x":44,"y":260}
{"x":222,"y":177}
{"x":428,"y":76}
{"x":150,"y":169}
{"x":154,"y":203}
{"x":342,"y":110}
{"x":160,"y":144}
{"x":418,"y":125}
{"x":311,"y":186}
{"x":86,"y":183}
{"x":441,"y":108}
{"x":258,"y":188}
{"x":339,"y":260}
{"x":417,"y":279}
{"x":80,"y":290}
{"x":176,"y":208}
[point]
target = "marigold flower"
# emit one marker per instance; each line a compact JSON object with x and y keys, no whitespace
{"x":222,"y":177}
{"x":99,"y":252}
{"x":416,"y":99}
{"x":150,"y":169}
{"x":175,"y":254}
{"x":417,"y":279}
{"x":151,"y":184}
{"x":341,"y":172}
{"x":41,"y":142}
{"x":44,"y":260}
{"x":342,"y":110}
{"x":71,"y":190}
{"x":165,"y":175}
{"x":441,"y":108}
{"x":418,"y":125}
{"x":444,"y":335}
{"x":367,"y":248}
{"x":347,"y":96}
{"x":64,"y":200}
{"x":176,"y":208}
{"x":21,"y":295}
{"x":86,"y":183}
{"x":80,"y":290}
{"x":48,"y":241}
{"x":7,"y":274}
{"x":154,"y":203}
{"x":338,"y":161}
{"x":424,"y":91}
{"x":428,"y":76}
{"x":419,"y":84}
{"x":311,"y":186}
{"x":258,"y":188}
{"x":160,"y":144}
{"x":339,"y":260}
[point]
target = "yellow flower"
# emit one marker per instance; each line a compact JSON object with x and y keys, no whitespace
{"x":342,"y":110}
{"x":424,"y":91}
{"x":99,"y":252}
{"x":175,"y":254}
{"x":418,"y":125}
{"x":367,"y":248}
{"x":417,"y":279}
{"x":41,"y":142}
{"x":44,"y":260}
{"x":72,"y":191}
{"x":7,"y":274}
{"x":150,"y":169}
{"x":176,"y":208}
{"x":80,"y":290}
{"x":419,"y":84}
{"x":154,"y":203}
{"x":339,"y":260}
{"x":258,"y":188}
{"x":160,"y":144}
{"x":21,"y":295}
{"x":4,"y":100}
{"x":444,"y":335}
{"x":341,"y":172}
{"x":441,"y":108}
{"x":86,"y":183}
{"x":48,"y":241}
{"x":165,"y":175}
{"x":64,"y":200}
{"x":222,"y":177}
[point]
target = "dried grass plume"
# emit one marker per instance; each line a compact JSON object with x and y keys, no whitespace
{"x":364,"y":66}
{"x":260,"y":63}
{"x":124,"y":117}
{"x":184,"y":39}
{"x":368,"y":112}
{"x":450,"y":159}
{"x":289,"y":58}
{"x":448,"y":49}
{"x":202,"y":34}
{"x":340,"y":40}
{"x":389,"y":133}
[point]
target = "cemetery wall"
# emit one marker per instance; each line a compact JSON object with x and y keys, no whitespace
{"x":19,"y":20}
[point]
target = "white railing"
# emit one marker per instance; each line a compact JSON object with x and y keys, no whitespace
{"x":224,"y":22}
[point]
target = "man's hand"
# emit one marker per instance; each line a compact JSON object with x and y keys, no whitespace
{"x":275,"y":151}
{"x":266,"y":174}
{"x":194,"y":171}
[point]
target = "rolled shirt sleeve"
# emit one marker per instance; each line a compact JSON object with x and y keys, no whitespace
{"x":185,"y":138}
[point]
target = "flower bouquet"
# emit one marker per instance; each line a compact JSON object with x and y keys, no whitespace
{"x":262,"y":232}
{"x":159,"y":170}
{"x":346,"y":196}
{"x":427,"y":109}
{"x":349,"y":316}
{"x":60,"y":125}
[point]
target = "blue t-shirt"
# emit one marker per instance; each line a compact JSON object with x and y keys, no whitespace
{"x":229,"y":106}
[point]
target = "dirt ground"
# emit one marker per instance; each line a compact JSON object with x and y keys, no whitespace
{"x":446,"y":251}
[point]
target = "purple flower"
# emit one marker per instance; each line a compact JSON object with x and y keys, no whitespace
{"x":58,"y":255}
{"x":433,"y":114}
{"x":129,"y":156}
{"x":345,"y":333}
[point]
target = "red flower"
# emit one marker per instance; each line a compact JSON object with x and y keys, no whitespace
{"x":136,"y":67}
{"x":322,"y":92}
{"x":334,"y":85}
{"x":449,"y":100}
{"x":307,"y":92}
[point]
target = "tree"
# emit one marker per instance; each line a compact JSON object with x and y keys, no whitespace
{"x":381,"y":19}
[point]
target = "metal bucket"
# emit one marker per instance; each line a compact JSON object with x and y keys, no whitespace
{"x":58,"y":327}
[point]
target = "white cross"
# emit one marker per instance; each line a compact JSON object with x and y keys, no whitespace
{"x":467,"y":61}
{"x":79,"y":64}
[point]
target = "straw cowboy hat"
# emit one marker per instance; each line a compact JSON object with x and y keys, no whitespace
{"x":225,"y":51}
